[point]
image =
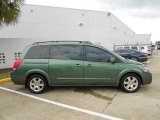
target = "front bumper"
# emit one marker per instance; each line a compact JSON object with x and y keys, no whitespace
{"x":143,"y":59}
{"x":147,"y":78}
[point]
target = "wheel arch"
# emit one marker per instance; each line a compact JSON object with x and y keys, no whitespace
{"x":136,"y":73}
{"x":134,"y":56}
{"x":44,"y":75}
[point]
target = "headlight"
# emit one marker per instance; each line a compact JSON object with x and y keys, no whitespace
{"x":144,"y":68}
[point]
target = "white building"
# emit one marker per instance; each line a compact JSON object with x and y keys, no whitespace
{"x":143,"y":38}
{"x":42,"y":23}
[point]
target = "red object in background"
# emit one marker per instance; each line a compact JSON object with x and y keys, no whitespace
{"x":17,"y":63}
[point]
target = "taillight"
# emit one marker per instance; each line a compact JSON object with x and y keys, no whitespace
{"x":17,"y":63}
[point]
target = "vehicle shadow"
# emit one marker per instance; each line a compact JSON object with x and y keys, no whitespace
{"x":104,"y":93}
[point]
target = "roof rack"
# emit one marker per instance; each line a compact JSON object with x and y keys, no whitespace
{"x":81,"y":42}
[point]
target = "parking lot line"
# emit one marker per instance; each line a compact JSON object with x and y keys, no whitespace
{"x":63,"y":105}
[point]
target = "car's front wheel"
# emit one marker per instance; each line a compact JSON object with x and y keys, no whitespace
{"x":130,"y":83}
{"x":37,"y":84}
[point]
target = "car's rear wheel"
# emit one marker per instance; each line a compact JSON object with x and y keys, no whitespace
{"x":134,"y":58}
{"x":37,"y":84}
{"x":130,"y":83}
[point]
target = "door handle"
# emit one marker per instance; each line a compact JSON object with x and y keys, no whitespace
{"x":78,"y":65}
{"x":89,"y":65}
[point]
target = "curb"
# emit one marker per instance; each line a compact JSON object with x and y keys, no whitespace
{"x":6,"y":80}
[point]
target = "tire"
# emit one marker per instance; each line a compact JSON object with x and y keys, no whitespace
{"x":130,"y":83}
{"x":37,"y":84}
{"x":134,"y":58}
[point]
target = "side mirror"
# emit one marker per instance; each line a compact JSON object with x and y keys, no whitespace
{"x":113,"y":60}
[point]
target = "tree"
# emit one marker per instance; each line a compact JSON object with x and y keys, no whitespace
{"x":10,"y":11}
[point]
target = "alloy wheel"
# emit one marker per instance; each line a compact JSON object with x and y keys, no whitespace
{"x":130,"y":83}
{"x":36,"y":84}
{"x":135,"y":59}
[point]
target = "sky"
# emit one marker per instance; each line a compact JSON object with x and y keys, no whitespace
{"x":142,"y":16}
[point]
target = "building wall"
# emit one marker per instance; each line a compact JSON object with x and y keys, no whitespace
{"x":68,"y":24}
{"x":9,"y":47}
{"x":143,"y":38}
{"x":41,"y":23}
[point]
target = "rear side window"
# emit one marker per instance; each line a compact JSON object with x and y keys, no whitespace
{"x":142,"y":48}
{"x":38,"y":52}
{"x":96,"y":54}
{"x":119,"y":51}
{"x":67,"y":52}
{"x":135,"y":48}
{"x":127,"y":47}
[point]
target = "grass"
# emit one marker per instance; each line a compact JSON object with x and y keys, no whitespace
{"x":4,"y":75}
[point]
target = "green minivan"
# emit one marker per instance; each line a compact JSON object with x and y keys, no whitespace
{"x":76,"y":63}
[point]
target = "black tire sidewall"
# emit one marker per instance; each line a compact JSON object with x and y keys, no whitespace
{"x":122,"y":82}
{"x":37,"y":76}
{"x":134,"y":58}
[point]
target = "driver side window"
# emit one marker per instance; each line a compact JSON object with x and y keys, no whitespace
{"x":95,"y":54}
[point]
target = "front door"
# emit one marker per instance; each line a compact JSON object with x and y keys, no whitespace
{"x":66,"y":65}
{"x":98,"y":70}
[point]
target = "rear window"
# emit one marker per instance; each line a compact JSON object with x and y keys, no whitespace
{"x":125,"y":51}
{"x":119,"y":48}
{"x":132,"y":52}
{"x":67,"y":52}
{"x":38,"y":52}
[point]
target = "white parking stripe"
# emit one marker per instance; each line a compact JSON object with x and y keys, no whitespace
{"x":63,"y":105}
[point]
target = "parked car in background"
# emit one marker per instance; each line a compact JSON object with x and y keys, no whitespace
{"x":158,"y":44}
{"x":136,"y":48}
{"x":147,"y":49}
{"x":132,"y":54}
{"x":154,"y":47}
{"x":76,"y":63}
{"x":130,"y":47}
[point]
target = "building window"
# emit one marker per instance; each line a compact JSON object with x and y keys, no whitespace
{"x":2,"y":58}
{"x":17,"y":55}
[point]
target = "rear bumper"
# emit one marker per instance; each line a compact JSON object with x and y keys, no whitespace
{"x":16,"y":78}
